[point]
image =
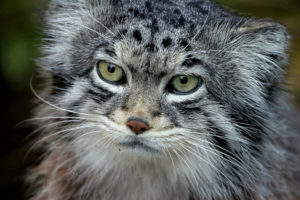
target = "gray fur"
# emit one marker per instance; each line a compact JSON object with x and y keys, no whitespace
{"x":228,"y":140}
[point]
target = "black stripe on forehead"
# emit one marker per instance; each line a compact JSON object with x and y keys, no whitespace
{"x":191,"y":61}
{"x":110,"y":52}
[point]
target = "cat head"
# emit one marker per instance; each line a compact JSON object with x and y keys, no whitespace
{"x":184,"y":81}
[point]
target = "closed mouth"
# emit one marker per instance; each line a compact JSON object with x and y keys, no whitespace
{"x":135,"y":144}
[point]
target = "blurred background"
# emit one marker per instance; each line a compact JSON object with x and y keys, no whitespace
{"x":19,"y":42}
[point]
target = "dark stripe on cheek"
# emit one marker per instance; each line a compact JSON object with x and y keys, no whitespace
{"x":73,"y":115}
{"x":219,"y":139}
{"x":187,"y":108}
{"x":99,"y":94}
{"x":86,"y":72}
{"x":74,"y":108}
{"x":60,"y":84}
{"x":170,"y":113}
{"x":247,"y":122}
{"x":250,"y":129}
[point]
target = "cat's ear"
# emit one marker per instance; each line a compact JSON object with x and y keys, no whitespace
{"x":77,"y":3}
{"x":73,"y":14}
{"x":263,"y":44}
{"x":266,"y":39}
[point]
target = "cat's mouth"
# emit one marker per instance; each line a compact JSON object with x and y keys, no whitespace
{"x":138,"y":145}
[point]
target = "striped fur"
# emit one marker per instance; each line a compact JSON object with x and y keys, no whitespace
{"x":228,"y":140}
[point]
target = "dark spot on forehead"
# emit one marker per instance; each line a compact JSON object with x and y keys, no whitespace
{"x":192,"y":26}
{"x":177,"y":11}
{"x":174,"y":20}
{"x":148,"y":6}
{"x":167,"y":42}
{"x":151,"y":47}
{"x":122,"y":18}
{"x":142,"y":16}
{"x":181,"y":21}
{"x":184,"y":44}
{"x":136,"y":12}
{"x":154,"y":26}
{"x":189,"y":62}
{"x":137,"y":35}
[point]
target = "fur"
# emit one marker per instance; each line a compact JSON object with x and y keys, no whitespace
{"x":228,"y":140}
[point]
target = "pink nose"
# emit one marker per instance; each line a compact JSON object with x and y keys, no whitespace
{"x":137,"y":126}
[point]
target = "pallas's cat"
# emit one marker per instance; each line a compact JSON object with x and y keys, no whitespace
{"x":162,"y":100}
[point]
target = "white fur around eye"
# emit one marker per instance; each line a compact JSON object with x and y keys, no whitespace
{"x":110,"y":87}
{"x":199,"y":93}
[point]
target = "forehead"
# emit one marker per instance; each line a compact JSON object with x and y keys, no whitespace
{"x":174,"y":14}
{"x":157,"y":35}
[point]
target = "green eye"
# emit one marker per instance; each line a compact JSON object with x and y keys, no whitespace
{"x":184,"y":84}
{"x":111,"y":73}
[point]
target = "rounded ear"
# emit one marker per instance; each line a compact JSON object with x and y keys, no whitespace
{"x":79,"y":3}
{"x":73,"y":14}
{"x":263,"y":45}
{"x":265,"y":37}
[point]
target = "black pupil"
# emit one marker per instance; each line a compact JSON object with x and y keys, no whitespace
{"x":111,"y":68}
{"x":183,"y":79}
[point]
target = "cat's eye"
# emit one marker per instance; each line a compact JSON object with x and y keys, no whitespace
{"x":111,"y":73}
{"x":184,"y":84}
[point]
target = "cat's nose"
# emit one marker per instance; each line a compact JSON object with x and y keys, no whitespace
{"x":137,"y":125}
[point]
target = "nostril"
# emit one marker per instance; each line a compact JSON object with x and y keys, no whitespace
{"x":143,"y":129}
{"x":137,"y":125}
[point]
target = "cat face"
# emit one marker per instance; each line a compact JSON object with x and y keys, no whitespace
{"x":199,"y":80}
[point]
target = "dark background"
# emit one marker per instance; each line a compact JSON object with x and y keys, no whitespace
{"x":19,"y":42}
